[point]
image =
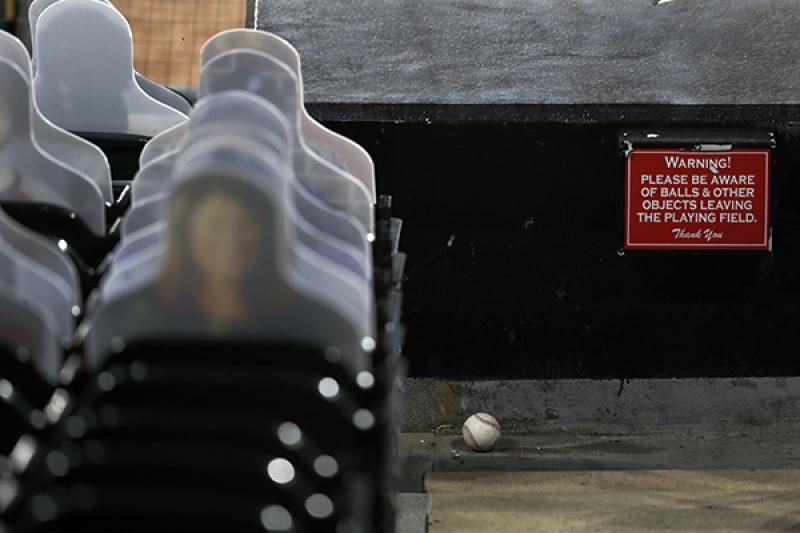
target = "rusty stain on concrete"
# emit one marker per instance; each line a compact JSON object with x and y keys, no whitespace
{"x":448,"y":404}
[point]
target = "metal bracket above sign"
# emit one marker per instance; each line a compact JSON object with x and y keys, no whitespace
{"x":697,"y":190}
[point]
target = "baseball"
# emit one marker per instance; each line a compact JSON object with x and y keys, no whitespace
{"x":481,"y":432}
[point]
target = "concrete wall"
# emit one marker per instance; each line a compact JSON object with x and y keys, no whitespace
{"x":597,"y":405}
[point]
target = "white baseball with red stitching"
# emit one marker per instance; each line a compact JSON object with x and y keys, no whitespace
{"x":481,"y":432}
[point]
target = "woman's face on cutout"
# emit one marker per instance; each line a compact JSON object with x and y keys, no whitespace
{"x":224,"y":239}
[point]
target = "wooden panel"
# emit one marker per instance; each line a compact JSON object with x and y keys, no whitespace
{"x":675,"y":500}
{"x":168,"y":34}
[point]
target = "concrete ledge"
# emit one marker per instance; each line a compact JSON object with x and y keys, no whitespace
{"x":412,"y":512}
{"x":545,"y":406}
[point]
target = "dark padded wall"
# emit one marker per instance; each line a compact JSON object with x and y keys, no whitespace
{"x":496,"y":122}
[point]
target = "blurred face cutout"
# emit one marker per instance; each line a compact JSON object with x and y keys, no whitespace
{"x":223,"y":239}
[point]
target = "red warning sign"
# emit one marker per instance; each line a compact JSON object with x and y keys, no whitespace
{"x":681,"y":199}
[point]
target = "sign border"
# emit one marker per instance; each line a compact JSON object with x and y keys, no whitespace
{"x":765,"y":246}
